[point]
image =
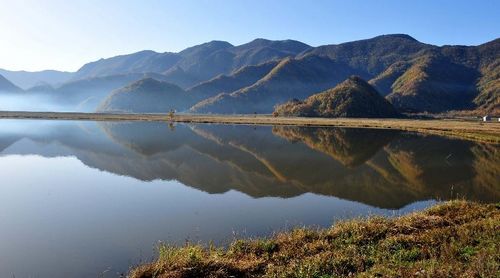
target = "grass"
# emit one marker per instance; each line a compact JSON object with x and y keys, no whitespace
{"x":454,"y":239}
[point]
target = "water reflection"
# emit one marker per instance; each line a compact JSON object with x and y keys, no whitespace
{"x":382,"y":168}
{"x":351,"y":147}
{"x":87,"y":199}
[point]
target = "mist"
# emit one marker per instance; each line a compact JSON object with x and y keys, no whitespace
{"x":34,"y":103}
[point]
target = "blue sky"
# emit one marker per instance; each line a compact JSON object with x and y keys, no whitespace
{"x":63,"y":35}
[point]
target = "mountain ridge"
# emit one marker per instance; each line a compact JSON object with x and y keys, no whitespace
{"x":7,"y":86}
{"x":256,"y":76}
{"x":144,"y":96}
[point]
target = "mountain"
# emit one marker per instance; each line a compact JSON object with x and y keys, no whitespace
{"x":372,"y":56}
{"x":241,"y":78}
{"x":421,"y":77}
{"x":180,"y":77}
{"x":488,"y":98}
{"x":26,"y":79}
{"x":383,"y":82}
{"x":415,"y":77}
{"x":139,"y":62}
{"x":7,"y":86}
{"x":489,"y":87}
{"x":195,"y":64}
{"x":146,"y":95}
{"x":434,"y":84}
{"x":291,"y":78}
{"x":206,"y":61}
{"x":256,"y":76}
{"x":353,"y":98}
{"x":230,"y":58}
{"x":41,"y":87}
{"x":87,"y":94}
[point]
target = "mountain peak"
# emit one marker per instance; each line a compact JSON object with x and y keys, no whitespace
{"x":146,"y":95}
{"x":400,"y":36}
{"x":284,"y":45}
{"x":260,"y":40}
{"x":149,"y":83}
{"x":352,"y":98}
{"x":7,"y":86}
{"x":208,"y":46}
{"x":357,"y":79}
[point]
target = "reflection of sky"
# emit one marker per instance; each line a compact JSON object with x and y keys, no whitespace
{"x":61,"y":217}
{"x":32,"y":127}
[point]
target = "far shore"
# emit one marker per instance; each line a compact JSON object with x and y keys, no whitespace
{"x":462,"y":128}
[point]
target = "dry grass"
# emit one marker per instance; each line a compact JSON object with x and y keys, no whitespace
{"x":466,"y":129}
{"x":455,"y":239}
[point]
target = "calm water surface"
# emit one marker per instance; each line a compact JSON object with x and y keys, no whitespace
{"x":87,"y":199}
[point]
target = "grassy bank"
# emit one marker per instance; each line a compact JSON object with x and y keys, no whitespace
{"x":466,"y":129}
{"x":455,"y":239}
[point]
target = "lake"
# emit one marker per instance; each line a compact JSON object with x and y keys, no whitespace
{"x":91,"y":199}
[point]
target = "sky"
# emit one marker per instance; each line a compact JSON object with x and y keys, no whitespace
{"x":64,"y":35}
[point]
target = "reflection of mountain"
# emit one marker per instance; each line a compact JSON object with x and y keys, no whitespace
{"x":349,"y":146}
{"x":433,"y":162}
{"x":5,"y":142}
{"x":381,"y":168}
{"x":487,"y":170}
{"x":194,"y":160}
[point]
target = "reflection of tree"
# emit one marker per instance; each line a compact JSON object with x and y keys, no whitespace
{"x":350,"y":146}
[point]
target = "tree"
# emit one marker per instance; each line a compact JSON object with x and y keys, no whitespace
{"x":171,"y":114}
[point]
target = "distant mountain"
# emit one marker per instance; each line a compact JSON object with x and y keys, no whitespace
{"x":435,"y":84}
{"x":420,"y":77}
{"x":41,"y":87}
{"x":353,"y":98}
{"x":489,"y":88}
{"x":26,"y":79}
{"x":291,"y":78}
{"x":7,"y":86}
{"x":198,"y":63}
{"x":256,"y":76}
{"x":86,"y":94}
{"x":140,"y":62}
{"x":416,"y":77}
{"x":241,"y":78}
{"x":488,"y":98}
{"x":383,"y":82}
{"x":372,"y":56}
{"x":223,"y":58}
{"x":146,"y":95}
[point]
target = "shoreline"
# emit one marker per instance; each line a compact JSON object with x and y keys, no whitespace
{"x":466,"y":129}
{"x":453,"y":239}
